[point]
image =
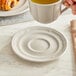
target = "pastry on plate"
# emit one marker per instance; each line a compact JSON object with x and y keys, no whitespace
{"x":8,"y":4}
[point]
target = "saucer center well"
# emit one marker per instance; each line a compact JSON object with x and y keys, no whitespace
{"x":38,"y":45}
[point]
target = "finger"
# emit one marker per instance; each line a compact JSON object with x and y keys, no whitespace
{"x":69,"y":2}
{"x":66,"y":4}
{"x":74,"y":0}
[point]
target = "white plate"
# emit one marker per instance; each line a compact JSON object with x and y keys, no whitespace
{"x":19,"y":9}
{"x":39,"y":44}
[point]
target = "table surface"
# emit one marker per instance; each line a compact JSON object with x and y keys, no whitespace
{"x":12,"y":65}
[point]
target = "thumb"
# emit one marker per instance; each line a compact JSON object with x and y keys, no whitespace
{"x":73,"y":7}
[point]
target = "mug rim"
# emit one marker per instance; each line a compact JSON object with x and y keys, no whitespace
{"x":46,"y":4}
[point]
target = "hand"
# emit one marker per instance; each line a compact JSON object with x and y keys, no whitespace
{"x":71,"y":4}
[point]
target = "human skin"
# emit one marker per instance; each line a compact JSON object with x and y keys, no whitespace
{"x":71,"y":4}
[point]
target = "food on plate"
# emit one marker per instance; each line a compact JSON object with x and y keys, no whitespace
{"x":8,"y":4}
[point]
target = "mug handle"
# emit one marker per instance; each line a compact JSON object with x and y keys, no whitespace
{"x":63,"y":10}
{"x":66,"y":8}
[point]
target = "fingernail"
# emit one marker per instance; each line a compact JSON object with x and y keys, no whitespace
{"x":70,"y":2}
{"x":74,"y":0}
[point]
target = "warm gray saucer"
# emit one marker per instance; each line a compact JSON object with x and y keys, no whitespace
{"x":39,"y":44}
